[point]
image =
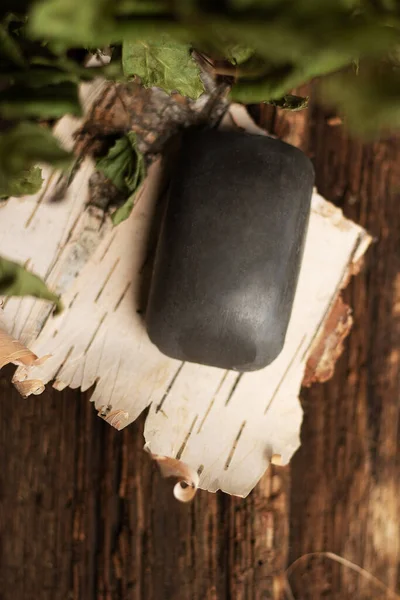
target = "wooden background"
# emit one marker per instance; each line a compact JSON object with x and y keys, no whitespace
{"x":85,"y":515}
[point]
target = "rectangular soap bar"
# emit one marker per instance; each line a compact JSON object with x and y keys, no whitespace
{"x":230,"y":250}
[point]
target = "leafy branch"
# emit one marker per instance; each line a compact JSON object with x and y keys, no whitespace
{"x":264,"y":50}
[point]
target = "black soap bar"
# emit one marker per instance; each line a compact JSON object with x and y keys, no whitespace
{"x":230,"y":250}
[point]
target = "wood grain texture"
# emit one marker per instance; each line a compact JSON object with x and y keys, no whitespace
{"x":84,"y":514}
{"x":346,"y":476}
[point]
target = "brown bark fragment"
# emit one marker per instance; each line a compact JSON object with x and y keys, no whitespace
{"x":329,"y":344}
{"x":152,"y":114}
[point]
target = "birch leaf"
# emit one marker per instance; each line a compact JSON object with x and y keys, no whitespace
{"x":91,"y":22}
{"x":238,"y":54}
{"x":15,"y":280}
{"x":46,"y":102}
{"x":370,"y":100}
{"x":291,"y":102}
{"x":119,"y":164}
{"x":75,"y":21}
{"x":29,"y":182}
{"x":9,"y":48}
{"x":122,"y":213}
{"x":163,"y":63}
{"x":20,"y":149}
{"x":124,"y":165}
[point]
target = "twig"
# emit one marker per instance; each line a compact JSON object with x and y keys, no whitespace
{"x":345,"y":563}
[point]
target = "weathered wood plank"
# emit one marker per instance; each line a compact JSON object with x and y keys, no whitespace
{"x":345,"y":477}
{"x":84,"y":514}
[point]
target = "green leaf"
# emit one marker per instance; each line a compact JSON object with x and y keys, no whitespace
{"x":125,"y":166}
{"x":94,"y":23}
{"x":37,"y":77}
{"x":21,"y":148}
{"x":163,"y":63}
{"x":28,"y":182}
{"x":276,"y":45}
{"x":15,"y":280}
{"x":74,"y":21}
{"x":143,"y":7}
{"x":370,"y":100}
{"x":30,"y":143}
{"x":123,"y":212}
{"x":280,"y":80}
{"x":290,"y":102}
{"x":47,"y":102}
{"x":76,"y":71}
{"x":252,"y":4}
{"x":237,"y":53}
{"x":9,"y":48}
{"x":120,"y":162}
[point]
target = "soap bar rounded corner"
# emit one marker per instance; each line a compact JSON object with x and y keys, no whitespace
{"x":229,"y":250}
{"x":159,"y":338}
